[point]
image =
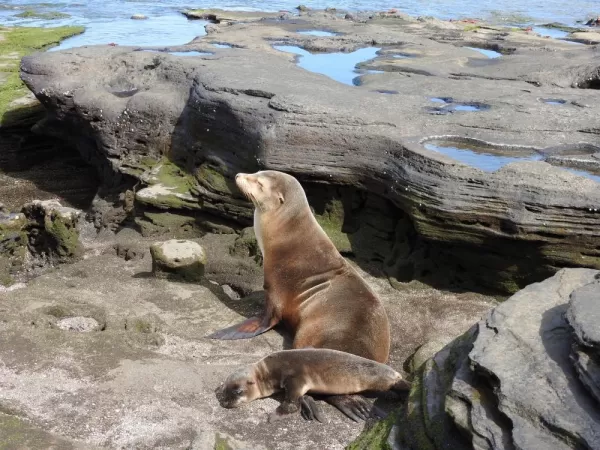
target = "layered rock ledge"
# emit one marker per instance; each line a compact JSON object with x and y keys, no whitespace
{"x":178,"y":128}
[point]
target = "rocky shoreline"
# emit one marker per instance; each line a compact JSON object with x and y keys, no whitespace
{"x":179,"y":127}
{"x":164,"y":130}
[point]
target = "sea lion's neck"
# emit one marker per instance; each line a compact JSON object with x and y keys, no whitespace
{"x":265,"y":380}
{"x":287,"y":234}
{"x":258,"y":231}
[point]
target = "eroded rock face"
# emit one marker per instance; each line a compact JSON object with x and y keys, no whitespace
{"x":189,"y":124}
{"x":509,"y":382}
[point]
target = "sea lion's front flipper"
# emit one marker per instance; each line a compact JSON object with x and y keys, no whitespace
{"x":310,"y":410}
{"x":355,"y":407}
{"x":295,"y":389}
{"x":247,"y":329}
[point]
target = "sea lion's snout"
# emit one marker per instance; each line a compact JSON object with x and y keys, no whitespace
{"x":241,"y":180}
{"x":225,"y":397}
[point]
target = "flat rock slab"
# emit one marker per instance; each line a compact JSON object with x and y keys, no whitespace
{"x":145,"y":378}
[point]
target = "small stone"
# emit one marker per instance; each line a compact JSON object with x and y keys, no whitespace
{"x":80,"y":324}
{"x":179,"y":259}
{"x":139,"y":17}
{"x":230,"y":292}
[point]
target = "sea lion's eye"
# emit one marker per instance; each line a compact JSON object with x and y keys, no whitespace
{"x":260,"y":185}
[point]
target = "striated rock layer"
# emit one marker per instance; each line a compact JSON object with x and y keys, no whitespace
{"x":180,"y":127}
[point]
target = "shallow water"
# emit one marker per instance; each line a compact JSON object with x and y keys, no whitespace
{"x":499,"y":11}
{"x":337,"y":66}
{"x":317,"y":33}
{"x":489,"y":53}
{"x":552,"y":32}
{"x":583,"y":173}
{"x":469,"y":108}
{"x":554,"y":101}
{"x":480,"y":159}
{"x":490,"y":162}
{"x":449,"y":105}
{"x":109,"y":20}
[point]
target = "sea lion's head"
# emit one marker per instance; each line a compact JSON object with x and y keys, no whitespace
{"x":239,"y":388}
{"x":270,"y":190}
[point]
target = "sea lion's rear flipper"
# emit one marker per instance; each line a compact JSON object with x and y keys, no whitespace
{"x":355,"y":407}
{"x":401,"y":386}
{"x":247,"y":329}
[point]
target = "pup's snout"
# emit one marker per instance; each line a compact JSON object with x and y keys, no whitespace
{"x":220,"y":392}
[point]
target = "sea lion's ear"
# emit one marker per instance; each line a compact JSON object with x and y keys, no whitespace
{"x":281,"y":199}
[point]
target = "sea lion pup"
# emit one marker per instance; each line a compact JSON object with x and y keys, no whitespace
{"x":308,"y":285}
{"x":308,"y":370}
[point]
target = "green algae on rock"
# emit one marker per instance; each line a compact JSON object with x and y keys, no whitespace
{"x":246,"y":245}
{"x":14,"y":44}
{"x":33,"y":14}
{"x":169,"y":187}
{"x":53,"y":230}
{"x":13,"y":247}
{"x":376,"y":437}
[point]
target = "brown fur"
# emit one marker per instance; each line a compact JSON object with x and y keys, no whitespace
{"x":308,"y":284}
{"x":298,"y":372}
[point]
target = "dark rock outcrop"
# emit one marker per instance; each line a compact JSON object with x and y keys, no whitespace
{"x":509,"y":381}
{"x":186,"y":125}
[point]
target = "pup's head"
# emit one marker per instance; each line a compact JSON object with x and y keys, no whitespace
{"x":269,"y":190}
{"x":239,"y":388}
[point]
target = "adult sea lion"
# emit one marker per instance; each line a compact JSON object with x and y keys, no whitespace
{"x":309,"y":370}
{"x":308,"y":285}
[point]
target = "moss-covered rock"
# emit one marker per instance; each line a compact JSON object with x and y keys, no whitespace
{"x":16,"y":433}
{"x":246,"y":245}
{"x":15,"y":43}
{"x":167,"y":223}
{"x":13,"y":246}
{"x":149,"y":323}
{"x":210,"y":177}
{"x":178,"y":259}
{"x":52,"y":230}
{"x":332,"y":221}
{"x":376,"y":437}
{"x":169,"y":187}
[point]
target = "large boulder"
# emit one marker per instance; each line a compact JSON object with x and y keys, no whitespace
{"x":509,"y":382}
